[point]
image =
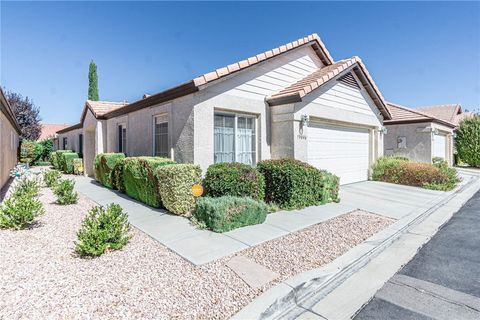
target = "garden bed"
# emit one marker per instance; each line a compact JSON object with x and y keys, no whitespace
{"x":42,"y":278}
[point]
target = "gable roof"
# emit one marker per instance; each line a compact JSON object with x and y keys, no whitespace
{"x":8,"y":112}
{"x":401,"y":114}
{"x":201,"y":81}
{"x":70,"y":128}
{"x":49,"y":130}
{"x":100,"y":108}
{"x":446,"y":112}
{"x":298,"y":90}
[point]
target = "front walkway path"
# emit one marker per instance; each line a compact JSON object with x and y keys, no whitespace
{"x":202,"y":246}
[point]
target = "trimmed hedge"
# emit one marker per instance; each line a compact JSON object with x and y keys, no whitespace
{"x":227,"y":213}
{"x":59,"y":158}
{"x":293,"y":184}
{"x":68,"y":161}
{"x":140,"y":181}
{"x":78,"y":166}
{"x":234,"y":179}
{"x":117,"y":175}
{"x":103,"y":166}
{"x":175,"y":186}
{"x":417,"y":174}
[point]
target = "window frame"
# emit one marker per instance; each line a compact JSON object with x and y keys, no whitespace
{"x":80,"y":143}
{"x":64,"y":143}
{"x":164,"y":118}
{"x":237,"y":115}
{"x":121,"y":137}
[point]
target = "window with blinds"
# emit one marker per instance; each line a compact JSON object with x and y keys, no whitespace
{"x":160,"y":136}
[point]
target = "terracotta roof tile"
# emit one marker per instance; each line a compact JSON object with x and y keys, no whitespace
{"x":404,"y":114}
{"x":446,"y":112}
{"x":49,"y":130}
{"x":99,"y":108}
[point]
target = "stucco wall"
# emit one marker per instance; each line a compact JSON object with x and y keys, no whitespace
{"x":9,"y":142}
{"x":72,"y":140}
{"x":418,"y":141}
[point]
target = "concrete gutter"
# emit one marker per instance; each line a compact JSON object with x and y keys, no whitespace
{"x":339,"y":289}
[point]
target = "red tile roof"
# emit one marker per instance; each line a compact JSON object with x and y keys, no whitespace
{"x":100,"y":108}
{"x":49,"y":130}
{"x":70,"y":128}
{"x":300,"y":89}
{"x":401,"y":114}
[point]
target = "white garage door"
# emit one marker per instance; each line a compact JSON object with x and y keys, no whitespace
{"x":439,"y":145}
{"x":340,"y":150}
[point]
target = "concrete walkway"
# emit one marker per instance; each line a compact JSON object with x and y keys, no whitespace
{"x":202,"y":246}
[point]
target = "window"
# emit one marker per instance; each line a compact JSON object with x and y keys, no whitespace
{"x":65,"y":143}
{"x":122,"y":138}
{"x":80,"y":143}
{"x":234,"y":139}
{"x":160,"y":136}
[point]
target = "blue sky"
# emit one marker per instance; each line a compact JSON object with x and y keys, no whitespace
{"x":418,"y":53}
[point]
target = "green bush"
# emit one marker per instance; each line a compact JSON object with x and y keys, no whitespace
{"x":467,"y":141}
{"x":140,"y":181}
{"x":227,"y":213}
{"x":64,"y":192}
{"x":384,"y":163}
{"x":77,"y":166}
{"x":234,"y":179}
{"x":19,"y":211}
{"x":47,"y":148}
{"x":68,"y":158}
{"x":60,"y":159}
{"x":51,"y":177}
{"x":293,"y":184}
{"x":103,"y":166}
{"x":117,"y":175}
{"x":103,"y":229}
{"x":30,"y":151}
{"x":425,"y":175}
{"x":175,"y":186}
{"x":27,"y":187}
{"x":53,"y":158}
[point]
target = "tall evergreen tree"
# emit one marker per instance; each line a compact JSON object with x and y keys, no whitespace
{"x":92,"y":82}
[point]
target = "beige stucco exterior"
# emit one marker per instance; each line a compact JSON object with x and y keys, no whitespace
{"x":9,"y":142}
{"x":419,"y":140}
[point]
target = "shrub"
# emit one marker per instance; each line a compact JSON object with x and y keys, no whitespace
{"x":383,"y":163}
{"x":419,"y":175}
{"x":140,"y":181}
{"x":103,"y":166}
{"x":293,"y":184}
{"x":27,"y":187}
{"x":19,"y":211}
{"x":51,"y":177}
{"x":234,"y":179}
{"x":30,"y":151}
{"x":42,"y":163}
{"x":117,"y":175}
{"x":175,"y":186}
{"x":61,"y":159}
{"x":467,"y":141}
{"x":77,"y":166}
{"x":53,"y":158}
{"x":64,"y":192}
{"x":227,"y":213}
{"x":103,"y":229}
{"x":67,"y":159}
{"x":47,"y":148}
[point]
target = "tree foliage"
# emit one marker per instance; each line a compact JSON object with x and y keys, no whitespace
{"x":468,"y":141}
{"x":92,"y":82}
{"x":27,"y":115}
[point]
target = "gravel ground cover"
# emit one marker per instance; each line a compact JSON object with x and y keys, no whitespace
{"x":41,"y":278}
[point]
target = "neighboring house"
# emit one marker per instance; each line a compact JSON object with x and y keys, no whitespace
{"x":9,"y":139}
{"x":418,"y":135}
{"x":49,"y":131}
{"x":292,"y":101}
{"x":448,"y":112}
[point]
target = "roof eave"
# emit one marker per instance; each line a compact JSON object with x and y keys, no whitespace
{"x":286,"y":99}
{"x":75,"y":126}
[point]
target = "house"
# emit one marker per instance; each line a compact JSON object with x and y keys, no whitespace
{"x":448,"y":112}
{"x":418,"y":135}
{"x":49,"y":131}
{"x":9,"y":139}
{"x":291,"y":101}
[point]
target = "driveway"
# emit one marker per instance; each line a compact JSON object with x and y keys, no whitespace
{"x":443,"y":279}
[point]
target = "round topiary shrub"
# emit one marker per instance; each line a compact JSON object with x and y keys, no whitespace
{"x":234,"y":179}
{"x":468,"y":141}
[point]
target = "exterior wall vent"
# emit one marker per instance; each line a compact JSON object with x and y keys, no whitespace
{"x":349,"y":80}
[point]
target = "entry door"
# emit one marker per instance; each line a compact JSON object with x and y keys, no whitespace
{"x":439,"y":145}
{"x":341,"y":150}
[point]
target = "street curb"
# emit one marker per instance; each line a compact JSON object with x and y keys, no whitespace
{"x":288,"y":298}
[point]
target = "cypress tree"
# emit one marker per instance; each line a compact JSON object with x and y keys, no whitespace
{"x":92,"y":82}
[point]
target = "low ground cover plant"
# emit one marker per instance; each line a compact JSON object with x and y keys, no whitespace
{"x":19,"y":211}
{"x":103,"y":229}
{"x":64,"y":192}
{"x":51,"y":177}
{"x":27,"y":187}
{"x":292,"y":184}
{"x":104,"y":164}
{"x":140,"y":180}
{"x":467,"y":141}
{"x":234,"y":179}
{"x":175,"y":186}
{"x":438,"y":177}
{"x":227,"y":213}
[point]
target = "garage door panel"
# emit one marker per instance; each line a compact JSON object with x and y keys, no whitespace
{"x":340,"y":150}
